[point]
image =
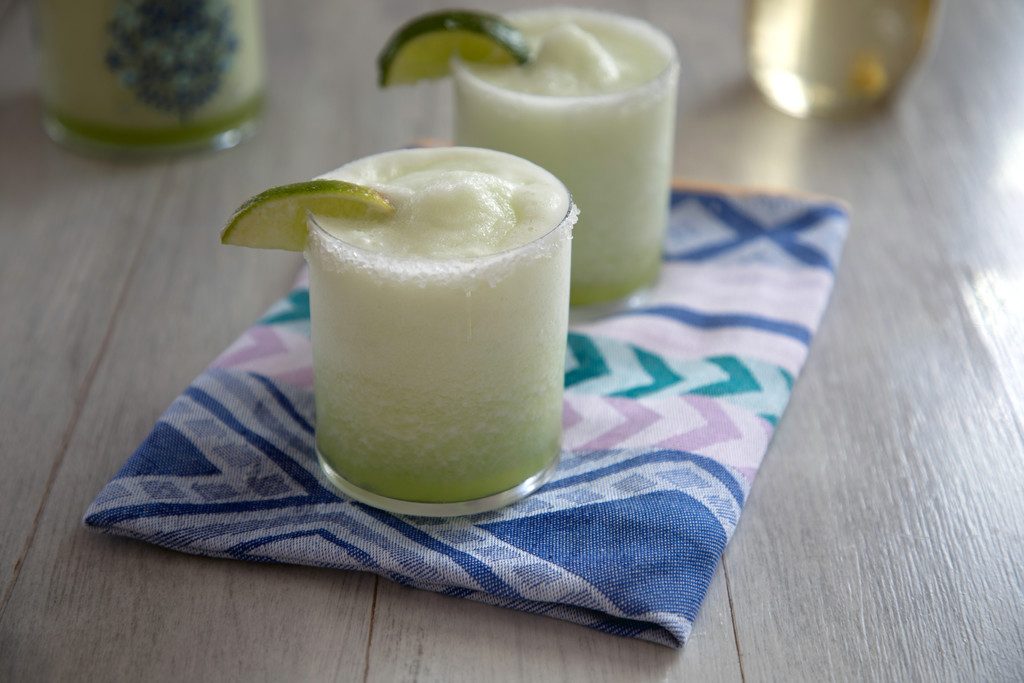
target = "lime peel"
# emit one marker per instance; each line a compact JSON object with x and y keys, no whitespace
{"x":276,"y":218}
{"x":423,"y":47}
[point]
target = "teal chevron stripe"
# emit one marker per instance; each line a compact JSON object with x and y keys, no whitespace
{"x":620,"y":361}
{"x":787,"y":380}
{"x":601,"y":366}
{"x":770,"y":400}
{"x":589,"y":361}
{"x":740,"y":379}
{"x":295,"y":307}
{"x":662,"y":376}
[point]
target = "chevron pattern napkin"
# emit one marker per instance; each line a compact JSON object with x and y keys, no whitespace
{"x":669,"y":409}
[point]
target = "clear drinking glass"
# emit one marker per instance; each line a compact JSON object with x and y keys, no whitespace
{"x":135,"y":75}
{"x":612,"y":150}
{"x":439,"y":382}
{"x":820,"y":57}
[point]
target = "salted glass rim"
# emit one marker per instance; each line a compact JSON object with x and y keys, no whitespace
{"x":655,"y":83}
{"x":382,"y":258}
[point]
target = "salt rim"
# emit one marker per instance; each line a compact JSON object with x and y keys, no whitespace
{"x":630,"y":97}
{"x":337,"y":255}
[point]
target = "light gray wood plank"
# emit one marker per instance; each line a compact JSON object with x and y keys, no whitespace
{"x":7,"y":10}
{"x":894,"y":524}
{"x":69,"y":230}
{"x":152,"y":614}
{"x":126,"y":611}
{"x":882,"y":537}
{"x":421,"y":636}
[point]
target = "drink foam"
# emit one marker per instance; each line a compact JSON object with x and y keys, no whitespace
{"x":580,"y":53}
{"x":458,"y":212}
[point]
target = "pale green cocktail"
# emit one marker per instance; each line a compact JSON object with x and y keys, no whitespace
{"x":149,"y":74}
{"x":439,"y":331}
{"x":595,"y":106}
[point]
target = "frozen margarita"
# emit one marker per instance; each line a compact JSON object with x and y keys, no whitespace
{"x":595,"y":105}
{"x":439,"y":330}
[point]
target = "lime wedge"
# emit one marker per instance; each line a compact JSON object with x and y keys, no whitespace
{"x":276,"y":218}
{"x":424,"y":47}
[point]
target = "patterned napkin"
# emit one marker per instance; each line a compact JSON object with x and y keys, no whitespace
{"x":669,"y":409}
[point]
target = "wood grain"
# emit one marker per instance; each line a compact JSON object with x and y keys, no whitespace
{"x":236,"y":617}
{"x":420,"y":636}
{"x":884,"y":537}
{"x":69,"y":231}
{"x":6,"y":9}
{"x":887,"y":520}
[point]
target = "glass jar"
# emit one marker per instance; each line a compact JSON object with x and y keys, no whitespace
{"x":820,"y":57}
{"x":124,"y":75}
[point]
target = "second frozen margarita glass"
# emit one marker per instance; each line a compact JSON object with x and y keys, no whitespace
{"x":595,"y":105}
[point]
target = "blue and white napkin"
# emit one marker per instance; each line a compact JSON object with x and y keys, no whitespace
{"x":669,"y":409}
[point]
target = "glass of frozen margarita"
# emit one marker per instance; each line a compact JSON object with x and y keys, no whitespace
{"x":142,"y":75}
{"x":595,"y":104}
{"x":439,"y":331}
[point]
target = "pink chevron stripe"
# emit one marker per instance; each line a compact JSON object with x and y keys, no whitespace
{"x":601,"y":415}
{"x":716,"y":428}
{"x":299,"y":377}
{"x":748,"y":473}
{"x":743,"y":452}
{"x":596,"y":417}
{"x":570,"y":418}
{"x":272,"y":351}
{"x":302,"y":279}
{"x":259,"y":341}
{"x":638,"y":418}
{"x":728,"y":434}
{"x":628,"y":423}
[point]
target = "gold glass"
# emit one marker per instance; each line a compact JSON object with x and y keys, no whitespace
{"x":822,"y":57}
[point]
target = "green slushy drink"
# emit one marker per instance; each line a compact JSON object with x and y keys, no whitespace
{"x":439,"y":331}
{"x":595,"y":105}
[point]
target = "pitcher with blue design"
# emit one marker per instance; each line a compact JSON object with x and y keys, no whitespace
{"x":149,"y":74}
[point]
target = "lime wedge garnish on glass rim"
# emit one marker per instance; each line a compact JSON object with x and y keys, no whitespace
{"x":276,"y":218}
{"x":424,"y":47}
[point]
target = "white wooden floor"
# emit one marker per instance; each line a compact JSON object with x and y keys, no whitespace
{"x":883,"y":540}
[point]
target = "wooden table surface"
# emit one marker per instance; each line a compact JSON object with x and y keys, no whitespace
{"x":883,"y":540}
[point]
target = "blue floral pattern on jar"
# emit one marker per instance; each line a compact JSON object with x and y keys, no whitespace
{"x":172,"y":54}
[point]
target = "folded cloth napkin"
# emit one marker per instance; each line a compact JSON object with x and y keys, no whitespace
{"x":669,"y":408}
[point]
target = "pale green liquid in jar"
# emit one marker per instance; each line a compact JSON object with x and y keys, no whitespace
{"x":596,"y":107}
{"x":439,"y":334}
{"x":833,"y":56}
{"x":113,"y":76}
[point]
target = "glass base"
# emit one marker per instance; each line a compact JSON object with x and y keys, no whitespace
{"x":454,"y":509}
{"x":615,"y":295}
{"x":802,"y":98}
{"x":590,"y":312}
{"x":109,"y":141}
